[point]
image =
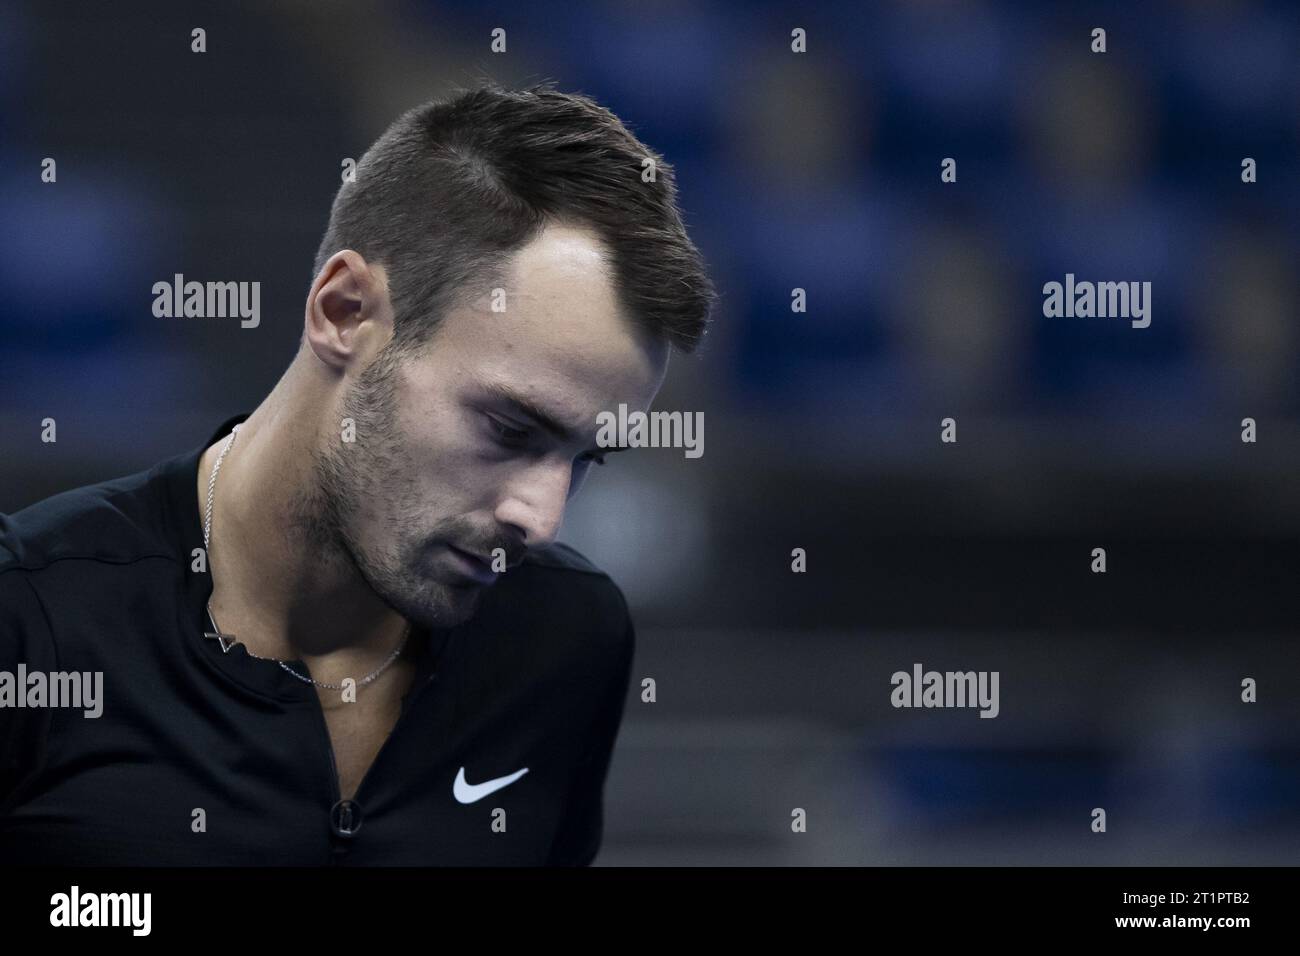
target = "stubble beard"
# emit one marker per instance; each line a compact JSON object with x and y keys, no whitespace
{"x":375,"y":468}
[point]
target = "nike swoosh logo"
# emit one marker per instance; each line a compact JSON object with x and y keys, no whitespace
{"x":469,"y":792}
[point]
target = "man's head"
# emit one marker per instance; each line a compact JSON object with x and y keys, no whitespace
{"x":502,"y":270}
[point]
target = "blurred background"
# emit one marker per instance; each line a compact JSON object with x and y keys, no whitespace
{"x":924,"y":301}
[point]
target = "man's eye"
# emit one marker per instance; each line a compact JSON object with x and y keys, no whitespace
{"x":507,"y":434}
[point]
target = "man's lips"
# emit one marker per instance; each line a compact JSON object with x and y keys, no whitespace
{"x":471,"y":565}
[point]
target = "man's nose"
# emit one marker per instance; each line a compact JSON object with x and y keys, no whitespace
{"x":534,"y":503}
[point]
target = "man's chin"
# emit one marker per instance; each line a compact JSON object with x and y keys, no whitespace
{"x":454,"y":604}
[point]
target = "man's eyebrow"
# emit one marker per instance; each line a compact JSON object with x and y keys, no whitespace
{"x":530,"y":409}
{"x":522,"y":405}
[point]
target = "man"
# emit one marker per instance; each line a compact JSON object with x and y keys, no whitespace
{"x":340,"y":630}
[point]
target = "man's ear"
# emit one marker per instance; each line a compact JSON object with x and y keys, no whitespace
{"x":347,"y":305}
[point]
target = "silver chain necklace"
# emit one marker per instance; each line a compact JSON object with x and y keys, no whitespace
{"x":227,"y":641}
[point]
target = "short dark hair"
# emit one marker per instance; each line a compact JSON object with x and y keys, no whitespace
{"x":454,"y":187}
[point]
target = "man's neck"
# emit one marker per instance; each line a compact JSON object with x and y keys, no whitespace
{"x":282,"y":583}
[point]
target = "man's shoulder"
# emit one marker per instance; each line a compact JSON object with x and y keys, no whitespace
{"x":563,"y":557}
{"x":557,"y":625}
{"x":570,"y":575}
{"x":115,"y":521}
{"x":558,"y":587}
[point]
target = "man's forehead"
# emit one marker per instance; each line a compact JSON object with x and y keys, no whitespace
{"x":561,"y":252}
{"x":554,"y":261}
{"x":560,"y":382}
{"x":583,"y":354}
{"x":549,"y":332}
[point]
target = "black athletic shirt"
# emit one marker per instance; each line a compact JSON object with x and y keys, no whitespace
{"x":99,"y":579}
